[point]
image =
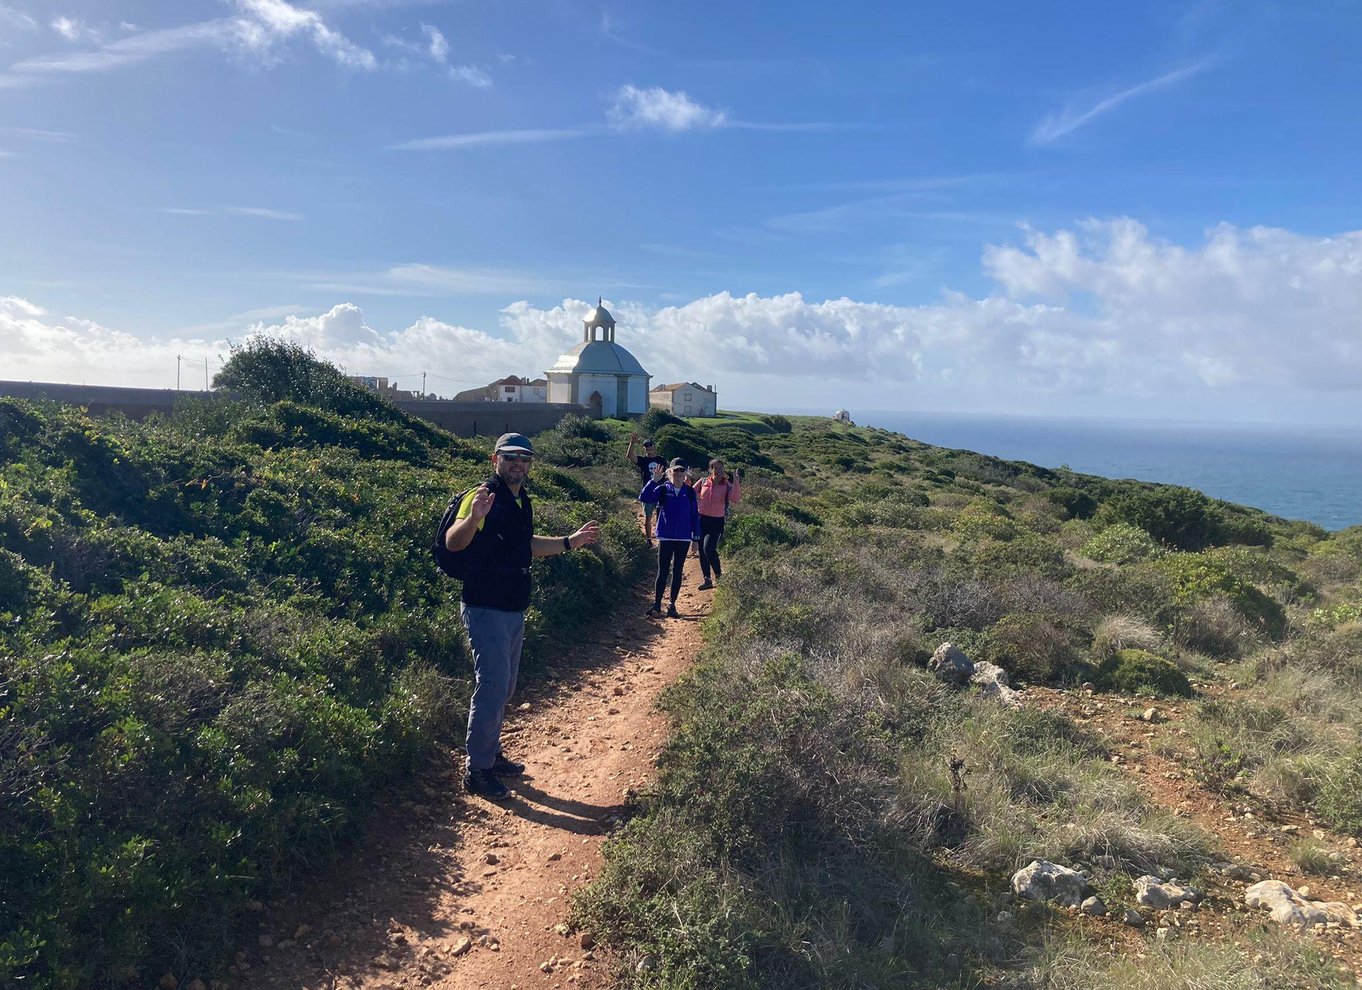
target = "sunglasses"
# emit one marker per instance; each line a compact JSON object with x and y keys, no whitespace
{"x":516,"y":457}
{"x":681,"y":467}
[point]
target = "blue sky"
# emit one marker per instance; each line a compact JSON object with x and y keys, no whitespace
{"x":1088,"y":209}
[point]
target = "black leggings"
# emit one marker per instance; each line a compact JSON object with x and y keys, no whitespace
{"x":671,"y":557}
{"x":711,"y":532}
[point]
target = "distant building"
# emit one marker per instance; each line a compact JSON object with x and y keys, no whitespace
{"x":685,"y":399}
{"x":508,"y":389}
{"x":381,"y":385}
{"x":842,"y":416}
{"x":599,"y":373}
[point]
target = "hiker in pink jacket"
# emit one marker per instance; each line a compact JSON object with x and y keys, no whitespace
{"x":716,"y":492}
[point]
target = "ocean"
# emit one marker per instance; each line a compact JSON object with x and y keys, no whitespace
{"x":1299,"y":472}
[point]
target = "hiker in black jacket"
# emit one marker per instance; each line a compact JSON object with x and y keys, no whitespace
{"x":495,"y":522}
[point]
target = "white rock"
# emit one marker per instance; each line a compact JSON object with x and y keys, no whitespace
{"x":951,"y":665}
{"x":1045,"y":881}
{"x":1288,"y":907}
{"x":1154,"y":893}
{"x":1093,"y":906}
{"x":992,"y":683}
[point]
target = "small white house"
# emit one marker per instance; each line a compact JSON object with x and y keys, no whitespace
{"x":685,"y":399}
{"x":508,"y":389}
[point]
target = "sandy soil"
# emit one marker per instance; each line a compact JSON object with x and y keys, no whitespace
{"x":456,"y":891}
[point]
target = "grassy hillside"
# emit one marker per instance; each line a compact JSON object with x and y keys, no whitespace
{"x":829,"y":814}
{"x":220,"y":636}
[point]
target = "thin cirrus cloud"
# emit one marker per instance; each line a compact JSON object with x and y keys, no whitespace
{"x":1056,"y":126}
{"x":632,"y":109}
{"x":258,"y":212}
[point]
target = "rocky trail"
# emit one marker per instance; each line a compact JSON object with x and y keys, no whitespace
{"x":456,"y":891}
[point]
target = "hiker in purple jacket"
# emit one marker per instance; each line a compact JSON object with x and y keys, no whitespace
{"x":678,"y":525}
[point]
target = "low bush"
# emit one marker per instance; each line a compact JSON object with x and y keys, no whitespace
{"x":1133,"y":671}
{"x":1034,"y":648}
{"x":1122,"y":543}
{"x":1213,"y":626}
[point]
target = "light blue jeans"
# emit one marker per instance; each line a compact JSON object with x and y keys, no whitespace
{"x":496,"y":636}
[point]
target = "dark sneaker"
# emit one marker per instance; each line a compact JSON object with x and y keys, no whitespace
{"x":706,"y":584}
{"x":672,"y":613}
{"x":485,"y":784}
{"x":507,"y":768}
{"x":654,"y":609}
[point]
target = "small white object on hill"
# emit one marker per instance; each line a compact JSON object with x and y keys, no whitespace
{"x":842,"y":416}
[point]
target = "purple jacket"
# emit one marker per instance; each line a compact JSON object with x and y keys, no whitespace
{"x":678,"y":514}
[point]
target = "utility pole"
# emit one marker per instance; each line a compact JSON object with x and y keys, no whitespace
{"x":423,"y":384}
{"x":177,"y":372}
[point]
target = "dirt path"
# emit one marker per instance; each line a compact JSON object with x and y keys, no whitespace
{"x":453,"y":891}
{"x":1247,"y":832}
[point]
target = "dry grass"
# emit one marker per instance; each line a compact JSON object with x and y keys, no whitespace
{"x":1123,"y":632}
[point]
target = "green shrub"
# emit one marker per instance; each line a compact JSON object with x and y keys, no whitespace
{"x":652,"y":422}
{"x":1074,"y":501}
{"x":1339,"y":799}
{"x":1122,"y":543}
{"x":757,"y":531}
{"x":1197,"y":577}
{"x":1141,"y":672}
{"x":1180,"y":517}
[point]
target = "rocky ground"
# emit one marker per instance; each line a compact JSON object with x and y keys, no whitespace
{"x":1150,"y":741}
{"x":454,"y":891}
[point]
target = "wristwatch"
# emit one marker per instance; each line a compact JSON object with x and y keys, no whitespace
{"x":567,"y":544}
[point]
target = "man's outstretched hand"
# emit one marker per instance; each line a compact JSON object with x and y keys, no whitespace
{"x":587,"y":534}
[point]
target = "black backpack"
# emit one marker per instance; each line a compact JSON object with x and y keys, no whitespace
{"x":458,"y":564}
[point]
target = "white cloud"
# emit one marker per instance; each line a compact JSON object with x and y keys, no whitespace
{"x":1104,"y":310}
{"x":1055,"y":126}
{"x":471,"y":75}
{"x":261,"y":29}
{"x":267,"y":23}
{"x":661,"y":109}
{"x":438,"y":47}
{"x":74,"y":29}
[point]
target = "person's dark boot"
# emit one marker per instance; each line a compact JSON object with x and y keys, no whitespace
{"x":654,"y":609}
{"x":485,"y":783}
{"x":507,"y":768}
{"x":671,"y":611}
{"x":705,"y":585}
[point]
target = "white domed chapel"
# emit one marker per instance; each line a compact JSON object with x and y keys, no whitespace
{"x":599,"y":372}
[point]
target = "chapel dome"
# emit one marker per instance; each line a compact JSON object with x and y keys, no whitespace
{"x":599,"y":317}
{"x":593,"y":357}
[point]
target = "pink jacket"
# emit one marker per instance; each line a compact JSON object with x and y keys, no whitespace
{"x":711,"y":495}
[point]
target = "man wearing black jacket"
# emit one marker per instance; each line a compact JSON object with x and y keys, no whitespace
{"x":495,"y":523}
